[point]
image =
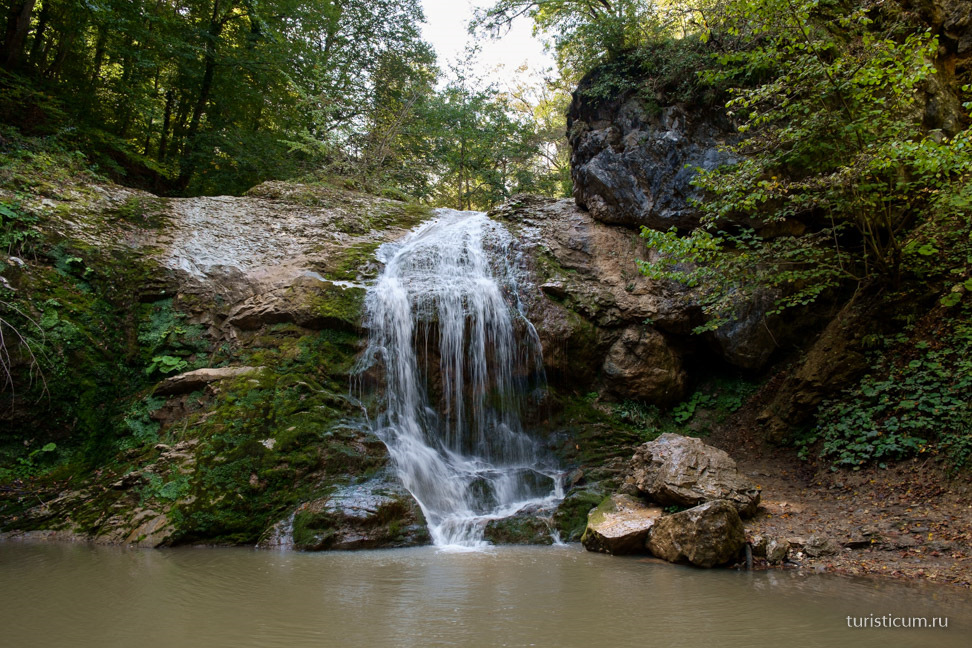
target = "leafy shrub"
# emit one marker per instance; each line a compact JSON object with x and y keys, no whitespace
{"x":166,"y":364}
{"x":915,"y":401}
{"x":156,"y":488}
{"x":17,"y":233}
{"x":686,"y":409}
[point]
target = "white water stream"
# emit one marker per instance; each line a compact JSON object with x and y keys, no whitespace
{"x":457,"y":354}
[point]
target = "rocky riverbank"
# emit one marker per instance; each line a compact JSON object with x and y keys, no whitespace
{"x":910,"y":521}
{"x":895,"y":523}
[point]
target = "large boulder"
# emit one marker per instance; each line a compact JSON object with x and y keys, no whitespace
{"x":528,"y":527}
{"x":642,"y":365}
{"x":620,"y":525}
{"x":376,"y":513}
{"x":633,"y":164}
{"x":705,"y":536}
{"x":682,"y":471}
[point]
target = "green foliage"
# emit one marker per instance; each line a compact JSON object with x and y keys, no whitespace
{"x":584,"y":34}
{"x":836,"y":173}
{"x":216,"y":96}
{"x":156,"y":488}
{"x":138,"y":422}
{"x":645,"y":419}
{"x":141,"y":211}
{"x":166,"y":364}
{"x":483,"y":148}
{"x":28,"y":461}
{"x":664,"y":67}
{"x":711,"y":404}
{"x":914,"y":401}
{"x":686,"y":409}
{"x":17,"y":233}
{"x":206,"y":94}
{"x":25,"y":466}
{"x":267,"y":431}
{"x":167,"y":343}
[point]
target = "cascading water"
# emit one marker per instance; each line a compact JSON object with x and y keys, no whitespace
{"x":457,"y":355}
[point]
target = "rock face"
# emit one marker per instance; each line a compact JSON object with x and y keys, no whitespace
{"x":683,"y":471}
{"x":634,"y":166}
{"x":706,"y":536}
{"x":603,"y":324}
{"x":260,"y":297}
{"x":750,"y":339}
{"x":190,"y":381}
{"x":591,"y":304}
{"x":835,"y":360}
{"x":951,"y":21}
{"x":620,"y":525}
{"x":642,"y":365}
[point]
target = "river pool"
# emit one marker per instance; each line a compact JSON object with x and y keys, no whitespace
{"x":82,"y":596}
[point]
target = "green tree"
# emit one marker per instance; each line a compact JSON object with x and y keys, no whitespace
{"x":836,"y":170}
{"x":210,"y":94}
{"x":543,"y":105}
{"x":483,"y":150}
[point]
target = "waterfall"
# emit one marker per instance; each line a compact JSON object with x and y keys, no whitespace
{"x":455,"y":355}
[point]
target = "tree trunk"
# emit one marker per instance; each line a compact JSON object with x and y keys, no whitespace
{"x":215,"y":29}
{"x":61,"y":55}
{"x":36,"y":46}
{"x":99,"y":57}
{"x":18,"y":24}
{"x":166,"y":119}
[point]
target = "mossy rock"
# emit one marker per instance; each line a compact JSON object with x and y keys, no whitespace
{"x":519,"y":530}
{"x":340,"y":308}
{"x":372,"y":514}
{"x":570,"y":519}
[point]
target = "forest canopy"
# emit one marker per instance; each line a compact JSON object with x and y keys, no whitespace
{"x":214,"y":96}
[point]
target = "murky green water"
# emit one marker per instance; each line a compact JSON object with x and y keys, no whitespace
{"x":80,"y":596}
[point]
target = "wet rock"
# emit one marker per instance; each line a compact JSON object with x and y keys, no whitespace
{"x":152,"y":529}
{"x":142,"y":527}
{"x":129,"y":480}
{"x":376,"y":513}
{"x":308,"y":302}
{"x":524,"y":528}
{"x":620,"y":525}
{"x":570,"y":518}
{"x":191,"y":381}
{"x":602,"y":323}
{"x":590,"y":294}
{"x":683,"y":471}
{"x":705,"y":536}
